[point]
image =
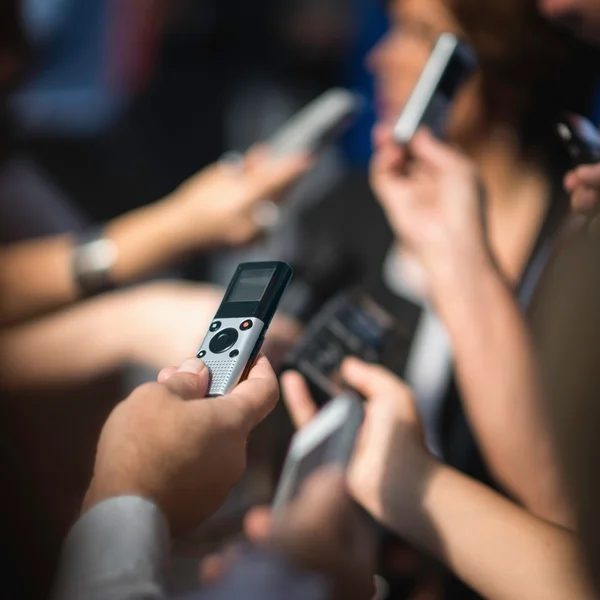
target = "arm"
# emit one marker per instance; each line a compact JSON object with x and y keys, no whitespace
{"x":214,"y":208}
{"x":151,"y":325}
{"x":437,"y":213}
{"x":498,"y":376}
{"x":496,"y":547}
{"x":183,"y":452}
{"x":36,"y":275}
{"x":72,"y":346}
{"x":119,"y":549}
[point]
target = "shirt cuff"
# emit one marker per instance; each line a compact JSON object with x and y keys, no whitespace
{"x":119,"y":548}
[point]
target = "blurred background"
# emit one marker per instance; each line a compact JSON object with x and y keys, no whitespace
{"x":127,"y":98}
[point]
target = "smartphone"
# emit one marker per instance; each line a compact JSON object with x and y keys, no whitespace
{"x":451,"y":62}
{"x":238,"y":330}
{"x":318,"y":123}
{"x":350,"y":324}
{"x":580,"y":138}
{"x":327,"y":440}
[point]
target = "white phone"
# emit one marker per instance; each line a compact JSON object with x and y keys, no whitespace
{"x":450,"y":63}
{"x":318,"y":123}
{"x":327,"y":440}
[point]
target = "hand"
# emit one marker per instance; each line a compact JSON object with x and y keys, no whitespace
{"x":583,"y":183}
{"x":218,"y":205}
{"x":433,"y":202}
{"x":321,"y":532}
{"x":170,"y":444}
{"x":390,"y":463}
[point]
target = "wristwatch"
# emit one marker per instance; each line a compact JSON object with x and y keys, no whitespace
{"x":93,"y":258}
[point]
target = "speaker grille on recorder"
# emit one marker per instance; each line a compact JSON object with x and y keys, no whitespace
{"x":220,"y":375}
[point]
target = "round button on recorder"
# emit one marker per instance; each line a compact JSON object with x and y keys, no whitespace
{"x":223,"y":340}
{"x":215,"y":325}
{"x":247,"y":324}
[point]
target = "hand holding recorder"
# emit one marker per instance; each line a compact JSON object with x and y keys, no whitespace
{"x":171,"y":444}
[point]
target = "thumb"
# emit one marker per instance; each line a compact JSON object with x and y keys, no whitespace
{"x":589,"y":176}
{"x":253,"y":399}
{"x":190,"y":381}
{"x":371,"y":380}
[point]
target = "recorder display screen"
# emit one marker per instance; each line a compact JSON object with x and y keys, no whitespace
{"x":250,"y":285}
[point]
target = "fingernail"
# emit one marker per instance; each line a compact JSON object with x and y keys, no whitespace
{"x":191,"y":365}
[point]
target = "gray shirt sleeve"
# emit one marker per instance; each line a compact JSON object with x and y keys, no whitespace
{"x":119,"y":549}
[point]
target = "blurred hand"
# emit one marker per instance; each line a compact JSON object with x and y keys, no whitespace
{"x":218,"y":205}
{"x":321,"y":531}
{"x":583,"y":183}
{"x":390,"y":462}
{"x":170,"y":444}
{"x":432,"y":201}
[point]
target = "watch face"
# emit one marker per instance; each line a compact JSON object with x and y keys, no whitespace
{"x":97,"y":255}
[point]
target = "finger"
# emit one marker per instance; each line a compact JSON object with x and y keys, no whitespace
{"x":589,"y":175}
{"x":278,"y":174}
{"x":166,"y":373}
{"x":215,"y":566}
{"x":382,"y":134}
{"x":258,"y":524}
{"x":389,"y":159}
{"x":212,"y":568}
{"x":322,"y":504}
{"x":190,"y":381}
{"x":297,"y":398}
{"x":371,"y":380}
{"x":255,"y":157}
{"x":570,"y":181}
{"x":253,"y":399}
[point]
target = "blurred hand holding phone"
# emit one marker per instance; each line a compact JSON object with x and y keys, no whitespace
{"x":328,"y":440}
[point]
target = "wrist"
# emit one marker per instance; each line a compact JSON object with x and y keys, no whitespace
{"x":100,"y":491}
{"x":191,"y":222}
{"x":457,"y":276}
{"x":406,"y":508}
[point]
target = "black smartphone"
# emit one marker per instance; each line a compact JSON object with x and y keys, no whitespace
{"x":350,"y":324}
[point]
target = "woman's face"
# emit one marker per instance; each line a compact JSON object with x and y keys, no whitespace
{"x":397,"y":61}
